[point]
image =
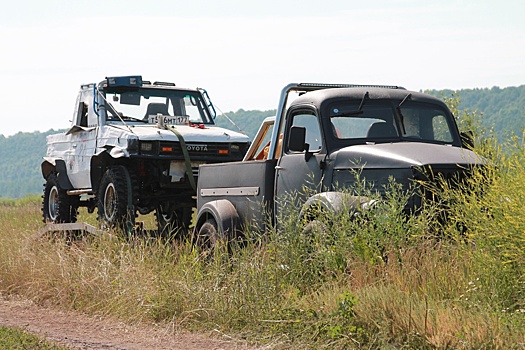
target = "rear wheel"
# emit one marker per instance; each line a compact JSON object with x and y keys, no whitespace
{"x":115,"y":204}
{"x":57,"y":206}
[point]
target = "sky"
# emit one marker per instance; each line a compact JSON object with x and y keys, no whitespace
{"x":243,"y":52}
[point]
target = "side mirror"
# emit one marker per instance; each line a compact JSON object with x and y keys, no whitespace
{"x":296,"y":142}
{"x":467,"y":139}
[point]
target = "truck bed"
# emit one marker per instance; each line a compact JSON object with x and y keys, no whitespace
{"x":248,"y":185}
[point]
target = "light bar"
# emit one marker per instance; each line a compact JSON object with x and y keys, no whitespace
{"x":328,"y":86}
{"x":133,"y":80}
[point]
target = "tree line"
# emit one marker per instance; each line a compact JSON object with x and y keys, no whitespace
{"x":502,"y":113}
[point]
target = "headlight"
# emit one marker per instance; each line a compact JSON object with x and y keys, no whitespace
{"x":146,"y":146}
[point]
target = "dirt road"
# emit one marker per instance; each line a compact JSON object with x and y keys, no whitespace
{"x":79,"y":331}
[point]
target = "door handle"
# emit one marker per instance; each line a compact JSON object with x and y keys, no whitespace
{"x":278,"y":167}
{"x":74,"y":145}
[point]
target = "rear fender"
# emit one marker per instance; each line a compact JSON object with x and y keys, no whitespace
{"x":50,"y":165}
{"x":224,"y":214}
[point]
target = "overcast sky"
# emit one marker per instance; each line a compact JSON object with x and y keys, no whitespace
{"x":243,"y":51}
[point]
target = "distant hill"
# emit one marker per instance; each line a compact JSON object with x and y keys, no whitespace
{"x":247,"y":122}
{"x":20,"y":158}
{"x":503,"y":110}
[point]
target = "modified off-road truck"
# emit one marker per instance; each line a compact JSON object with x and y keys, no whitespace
{"x":325,"y":140}
{"x":134,"y":146}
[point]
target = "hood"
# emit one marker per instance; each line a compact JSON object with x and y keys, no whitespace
{"x":402,"y":155}
{"x":191,"y":134}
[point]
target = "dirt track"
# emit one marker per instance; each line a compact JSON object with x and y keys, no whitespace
{"x":79,"y":331}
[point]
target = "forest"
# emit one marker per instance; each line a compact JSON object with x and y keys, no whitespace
{"x":502,"y":112}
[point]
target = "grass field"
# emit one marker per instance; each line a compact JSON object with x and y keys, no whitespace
{"x":14,"y":338}
{"x":381,"y":281}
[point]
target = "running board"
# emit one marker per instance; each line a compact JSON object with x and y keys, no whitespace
{"x":79,"y":192}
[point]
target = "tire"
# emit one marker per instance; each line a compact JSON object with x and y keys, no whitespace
{"x":114,"y":203}
{"x":171,"y":219}
{"x":208,"y":235}
{"x":57,"y":206}
{"x":315,"y":227}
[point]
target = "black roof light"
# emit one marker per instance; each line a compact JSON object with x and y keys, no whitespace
{"x":126,"y":81}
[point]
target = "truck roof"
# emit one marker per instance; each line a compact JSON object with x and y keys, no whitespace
{"x":323,"y":96}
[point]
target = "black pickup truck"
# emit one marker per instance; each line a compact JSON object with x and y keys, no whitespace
{"x":319,"y":141}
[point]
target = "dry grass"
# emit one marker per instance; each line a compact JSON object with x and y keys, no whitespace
{"x":383,"y":282}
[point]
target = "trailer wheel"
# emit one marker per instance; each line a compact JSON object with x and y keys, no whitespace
{"x":114,"y":205}
{"x":208,"y":235}
{"x":57,"y":206}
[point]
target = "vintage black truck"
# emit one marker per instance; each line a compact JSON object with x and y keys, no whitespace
{"x":320,"y":141}
{"x":134,"y":146}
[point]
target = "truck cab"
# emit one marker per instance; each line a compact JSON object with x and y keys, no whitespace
{"x":320,"y":141}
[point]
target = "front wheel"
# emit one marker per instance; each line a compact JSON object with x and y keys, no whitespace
{"x":57,"y":206}
{"x":115,"y":204}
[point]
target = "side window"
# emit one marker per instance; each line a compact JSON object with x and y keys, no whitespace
{"x":85,"y":115}
{"x":441,"y":129}
{"x":309,"y":121}
{"x":82,"y":115}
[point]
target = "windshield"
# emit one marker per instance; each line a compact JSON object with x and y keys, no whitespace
{"x":378,"y":121}
{"x":180,"y":107}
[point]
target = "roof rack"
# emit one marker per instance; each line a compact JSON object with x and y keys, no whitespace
{"x":316,"y":86}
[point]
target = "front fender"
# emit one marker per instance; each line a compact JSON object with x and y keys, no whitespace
{"x":118,"y":152}
{"x":224,"y":214}
{"x":333,"y":202}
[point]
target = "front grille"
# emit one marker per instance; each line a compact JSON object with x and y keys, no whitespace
{"x":452,"y":175}
{"x":198,"y":151}
{"x":434,"y":179}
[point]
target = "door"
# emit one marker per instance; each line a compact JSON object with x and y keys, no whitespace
{"x":299,"y":174}
{"x":82,"y":136}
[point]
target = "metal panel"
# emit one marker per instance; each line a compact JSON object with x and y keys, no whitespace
{"x":230,"y":191}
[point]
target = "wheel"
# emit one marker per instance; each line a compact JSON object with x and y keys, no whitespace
{"x":115,"y":204}
{"x":208,"y":235}
{"x":171,"y":219}
{"x":57,"y":206}
{"x":315,"y":227}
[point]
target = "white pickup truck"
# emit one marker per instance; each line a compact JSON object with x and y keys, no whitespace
{"x":134,"y":146}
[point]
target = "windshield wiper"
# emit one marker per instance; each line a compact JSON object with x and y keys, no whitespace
{"x":125,"y":117}
{"x":398,"y":110}
{"x":359,"y":109}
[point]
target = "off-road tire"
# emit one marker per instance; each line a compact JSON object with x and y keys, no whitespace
{"x":57,"y":206}
{"x":115,"y":209}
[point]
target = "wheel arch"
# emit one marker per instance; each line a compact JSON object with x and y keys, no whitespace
{"x":99,"y":163}
{"x":50,"y":165}
{"x":224,"y":214}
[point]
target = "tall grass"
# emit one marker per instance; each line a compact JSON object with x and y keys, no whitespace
{"x":380,"y":280}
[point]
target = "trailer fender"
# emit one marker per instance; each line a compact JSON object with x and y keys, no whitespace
{"x":224,"y":214}
{"x":333,"y":202}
